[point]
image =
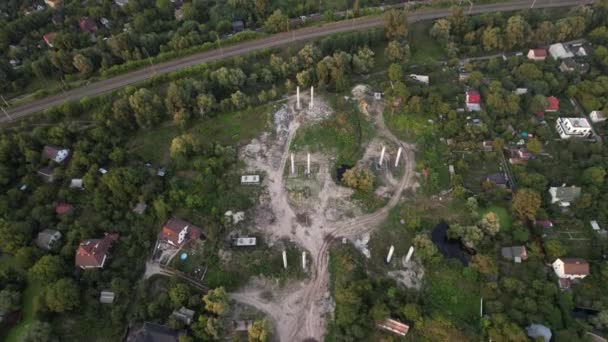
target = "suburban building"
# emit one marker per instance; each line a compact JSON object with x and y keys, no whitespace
{"x":571,"y":268}
{"x":394,"y":326}
{"x":552,"y":104}
{"x":238,"y":26}
{"x":47,"y":239}
{"x":63,"y":208}
{"x":520,"y":91}
{"x":537,"y":54}
{"x":183,"y":314}
{"x":420,"y":78}
{"x":87,"y":25}
{"x":473,"y":100}
{"x":564,"y":195}
{"x":48,"y":38}
{"x":559,"y":51}
{"x":55,"y":153}
{"x":514,"y":253}
{"x":93,"y":253}
{"x":76,"y":183}
{"x":106,"y":297}
{"x":152,"y":332}
{"x":176,"y":232}
{"x":499,"y":179}
{"x":250,"y":179}
{"x":573,"y":128}
{"x":53,"y":3}
{"x":244,"y":241}
{"x":597,"y":116}
{"x":519,"y":156}
{"x":46,"y":173}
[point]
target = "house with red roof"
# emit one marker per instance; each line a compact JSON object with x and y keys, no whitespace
{"x":537,"y":54}
{"x":177,"y":231}
{"x":63,"y":208}
{"x":48,"y":38}
{"x":473,"y":100}
{"x":87,"y":25}
{"x":93,"y":253}
{"x":552,"y":104}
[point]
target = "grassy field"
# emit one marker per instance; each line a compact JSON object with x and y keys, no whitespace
{"x":225,"y":128}
{"x":504,"y":217}
{"x":29,"y":297}
{"x":343,"y":135}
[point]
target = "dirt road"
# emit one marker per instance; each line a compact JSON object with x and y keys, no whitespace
{"x":299,"y":311}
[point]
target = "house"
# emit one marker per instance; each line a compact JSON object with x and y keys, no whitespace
{"x":238,"y":26}
{"x":106,"y":297}
{"x":250,"y":179}
{"x":244,"y":241}
{"x":499,"y":179}
{"x":519,"y":156}
{"x":87,"y":25}
{"x":55,"y":153}
{"x":552,"y":104}
{"x":515,"y":253}
{"x":473,"y":100}
{"x":520,"y":91}
{"x":573,"y":128}
{"x":539,"y":331}
{"x":48,"y":38}
{"x":47,"y":239}
{"x":571,"y":268}
{"x":176,"y":231}
{"x":394,"y":326}
{"x":559,"y":51}
{"x":93,"y":253}
{"x":537,"y":54}
{"x":46,"y":173}
{"x":568,"y":65}
{"x":185,"y":315}
{"x":420,"y":78}
{"x":53,"y":3}
{"x":597,"y":116}
{"x":152,"y":332}
{"x":564,"y":195}
{"x":63,"y":208}
{"x":76,"y":183}
{"x":140,"y":208}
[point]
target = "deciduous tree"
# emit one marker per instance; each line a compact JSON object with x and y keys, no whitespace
{"x":525,"y":204}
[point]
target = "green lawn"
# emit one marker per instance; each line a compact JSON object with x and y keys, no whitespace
{"x":504,"y":217}
{"x":29,"y":297}
{"x":424,"y":49}
{"x":225,"y":128}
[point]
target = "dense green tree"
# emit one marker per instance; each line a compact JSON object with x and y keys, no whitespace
{"x":395,"y":25}
{"x":594,"y":175}
{"x":37,"y":331}
{"x":258,"y":331}
{"x":179,"y":294}
{"x":525,"y":204}
{"x":555,"y":248}
{"x":216,"y":301}
{"x":62,"y":296}
{"x":48,"y":268}
{"x":363,"y":60}
{"x":397,"y":52}
{"x":9,"y":301}
{"x":147,"y":107}
{"x":441,"y":30}
{"x":276,"y":22}
{"x":517,"y":32}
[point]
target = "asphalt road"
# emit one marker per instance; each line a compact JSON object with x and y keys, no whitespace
{"x":111,"y":84}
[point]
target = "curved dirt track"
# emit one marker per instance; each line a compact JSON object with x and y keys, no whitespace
{"x":299,"y":311}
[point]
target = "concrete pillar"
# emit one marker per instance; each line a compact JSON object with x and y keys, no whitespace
{"x":382,"y":155}
{"x":308,"y":164}
{"x":398,"y":157}
{"x":298,"y":105}
{"x":390,"y":254}
{"x":312,"y":98}
{"x":304,"y":261}
{"x":293,"y":167}
{"x":284,"y":259}
{"x":409,"y":254}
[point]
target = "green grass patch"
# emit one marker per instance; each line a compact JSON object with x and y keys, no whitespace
{"x":33,"y":289}
{"x":504,"y":217}
{"x":343,"y":135}
{"x":424,"y":49}
{"x":224,"y":128}
{"x":452,"y":291}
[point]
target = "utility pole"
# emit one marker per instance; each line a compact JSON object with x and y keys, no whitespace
{"x":5,"y":113}
{"x":6,"y":103}
{"x":533,"y":2}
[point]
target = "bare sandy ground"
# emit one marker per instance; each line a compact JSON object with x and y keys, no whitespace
{"x":300,"y":309}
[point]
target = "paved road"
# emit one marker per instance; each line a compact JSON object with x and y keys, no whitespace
{"x":105,"y":86}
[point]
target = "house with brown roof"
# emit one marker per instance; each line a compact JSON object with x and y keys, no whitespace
{"x":55,"y":153}
{"x":537,"y":54}
{"x":48,"y":38}
{"x":571,"y":268}
{"x":394,"y":327}
{"x":93,"y":253}
{"x":177,"y":231}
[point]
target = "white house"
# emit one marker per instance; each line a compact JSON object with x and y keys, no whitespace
{"x":573,"y":128}
{"x":564,"y":195}
{"x":571,"y":268}
{"x":559,"y":51}
{"x":250,"y":179}
{"x":597,"y":116}
{"x":420,"y":78}
{"x":55,"y":153}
